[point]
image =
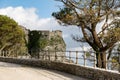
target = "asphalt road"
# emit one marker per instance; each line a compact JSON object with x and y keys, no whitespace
{"x":10,"y":71}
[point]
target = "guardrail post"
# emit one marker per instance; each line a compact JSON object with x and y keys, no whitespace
{"x":3,"y":53}
{"x":7,"y":52}
{"x":62,"y":56}
{"x":16,"y":54}
{"x":76,"y":57}
{"x":84,"y":58}
{"x":55,"y":55}
{"x":119,"y":61}
{"x":106,"y":61}
{"x":38,"y":53}
{"x":94,"y":60}
{"x":0,"y":53}
{"x":48,"y":55}
{"x":119,"y":57}
{"x":69,"y":56}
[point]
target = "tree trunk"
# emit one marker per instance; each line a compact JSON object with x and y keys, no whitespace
{"x":119,"y":67}
{"x":101,"y":59}
{"x":98,"y":58}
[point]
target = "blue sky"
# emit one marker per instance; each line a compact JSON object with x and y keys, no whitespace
{"x":44,"y":7}
{"x":36,"y":15}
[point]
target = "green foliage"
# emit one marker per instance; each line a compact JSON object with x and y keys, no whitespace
{"x":112,"y":33}
{"x":37,"y":41}
{"x":65,"y":15}
{"x":115,"y":59}
{"x":43,"y":42}
{"x":34,"y":37}
{"x":88,"y":54}
{"x":56,"y":40}
{"x":112,"y":36}
{"x":11,"y":35}
{"x":87,"y":14}
{"x":118,"y":49}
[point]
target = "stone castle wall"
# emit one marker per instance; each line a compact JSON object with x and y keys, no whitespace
{"x":54,"y":38}
{"x":49,"y":34}
{"x":46,"y":34}
{"x":56,"y":33}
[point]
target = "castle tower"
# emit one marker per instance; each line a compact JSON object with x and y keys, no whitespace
{"x":56,"y":33}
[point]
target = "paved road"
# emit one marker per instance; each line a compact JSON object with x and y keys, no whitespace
{"x":17,"y":72}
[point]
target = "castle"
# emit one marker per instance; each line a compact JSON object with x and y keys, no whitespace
{"x":44,"y":40}
{"x":47,"y":34}
{"x":57,"y":34}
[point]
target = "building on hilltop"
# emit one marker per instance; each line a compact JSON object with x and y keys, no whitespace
{"x":47,"y":34}
{"x":43,"y":37}
{"x":44,"y":40}
{"x":44,"y":33}
{"x":56,"y":33}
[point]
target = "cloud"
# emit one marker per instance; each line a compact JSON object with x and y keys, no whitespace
{"x":85,"y":47}
{"x":29,"y":18}
{"x":26,"y":17}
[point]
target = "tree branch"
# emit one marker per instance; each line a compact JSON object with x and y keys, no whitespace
{"x":107,"y":46}
{"x":87,"y":38}
{"x":7,"y":44}
{"x":110,"y":52}
{"x":70,"y":3}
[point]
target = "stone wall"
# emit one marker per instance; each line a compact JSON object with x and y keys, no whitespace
{"x":90,"y":73}
{"x":56,"y":33}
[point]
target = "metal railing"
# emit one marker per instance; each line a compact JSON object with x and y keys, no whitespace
{"x":84,"y":58}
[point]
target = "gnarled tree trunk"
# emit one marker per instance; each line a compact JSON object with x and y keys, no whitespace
{"x":101,"y":59}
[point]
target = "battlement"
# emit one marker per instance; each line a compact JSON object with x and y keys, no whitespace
{"x":56,"y":33}
{"x":49,"y":34}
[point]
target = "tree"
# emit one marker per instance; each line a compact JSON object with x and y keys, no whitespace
{"x":33,"y":40}
{"x":11,"y":35}
{"x":86,"y":14}
{"x":37,"y":41}
{"x":43,"y":42}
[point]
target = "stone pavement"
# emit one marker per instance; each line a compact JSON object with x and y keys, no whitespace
{"x":10,"y":71}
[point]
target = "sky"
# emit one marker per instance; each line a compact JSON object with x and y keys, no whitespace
{"x":36,"y":15}
{"x":44,"y":7}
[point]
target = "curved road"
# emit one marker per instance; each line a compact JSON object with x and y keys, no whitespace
{"x":10,"y":71}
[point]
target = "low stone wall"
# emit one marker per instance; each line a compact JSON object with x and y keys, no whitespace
{"x":90,"y":73}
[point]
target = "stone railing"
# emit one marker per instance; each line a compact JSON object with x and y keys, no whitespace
{"x":83,"y":58}
{"x":87,"y":72}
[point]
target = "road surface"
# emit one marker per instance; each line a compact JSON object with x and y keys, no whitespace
{"x":10,"y":71}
